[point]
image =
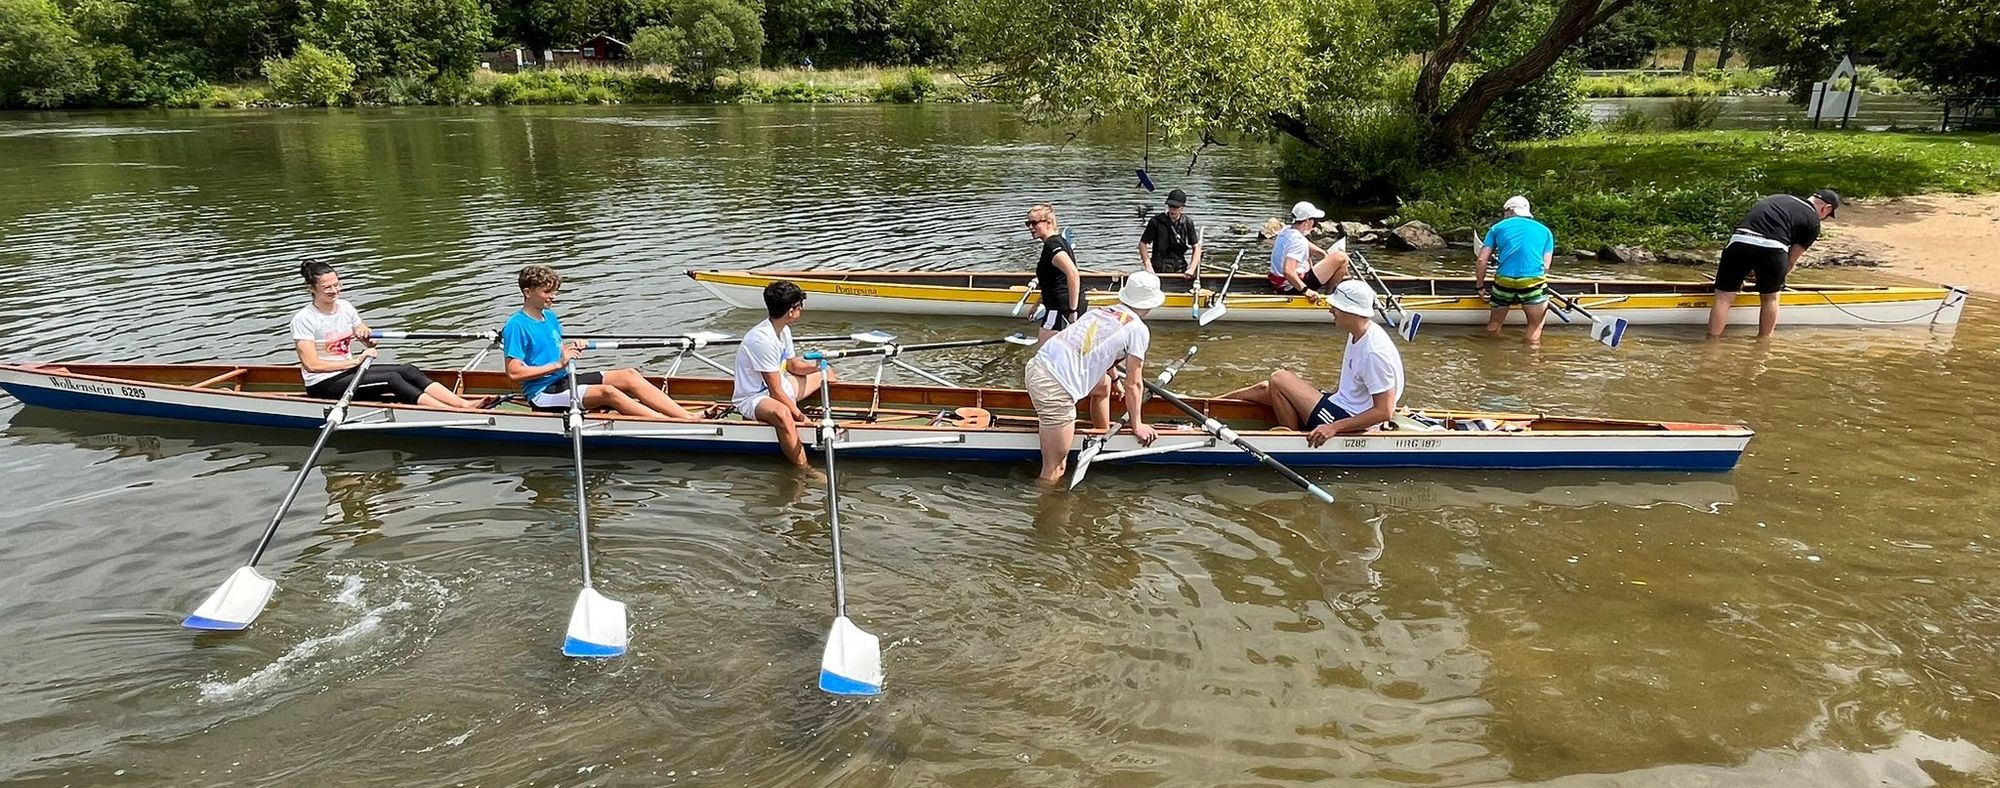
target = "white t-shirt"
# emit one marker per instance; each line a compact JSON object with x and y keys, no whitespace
{"x":763,"y":350}
{"x":1080,"y":355}
{"x":1369,"y":366}
{"x":1289,"y":243}
{"x":331,"y":333}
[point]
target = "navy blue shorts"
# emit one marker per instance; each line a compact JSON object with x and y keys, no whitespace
{"x":1325,"y":412}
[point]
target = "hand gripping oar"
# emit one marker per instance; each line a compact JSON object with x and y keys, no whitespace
{"x":852,"y":662}
{"x":1223,"y":432}
{"x":1216,"y":310}
{"x":243,"y":596}
{"x":1094,"y":445}
{"x":596,"y":623}
{"x":1023,"y":301}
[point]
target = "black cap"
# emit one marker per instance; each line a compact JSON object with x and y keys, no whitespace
{"x":1176,"y":198}
{"x":1830,"y":197}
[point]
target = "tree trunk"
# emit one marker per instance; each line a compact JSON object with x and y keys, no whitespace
{"x":1451,"y":133}
{"x":1687,"y":60}
{"x":1722,"y":56}
{"x":1450,"y":47}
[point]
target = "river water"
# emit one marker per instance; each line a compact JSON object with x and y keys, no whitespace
{"x":1827,"y":614}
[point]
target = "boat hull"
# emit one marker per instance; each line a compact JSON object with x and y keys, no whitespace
{"x":1443,"y":301}
{"x":1612,"y":445}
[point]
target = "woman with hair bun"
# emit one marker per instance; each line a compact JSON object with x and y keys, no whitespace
{"x":324,"y":333}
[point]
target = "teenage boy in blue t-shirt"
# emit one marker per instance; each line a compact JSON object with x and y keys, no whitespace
{"x":1524,"y":248}
{"x":538,"y":359}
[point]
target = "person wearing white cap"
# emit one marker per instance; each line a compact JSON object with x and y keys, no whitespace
{"x":1292,"y":269}
{"x":1526,"y":248}
{"x":1076,"y":363}
{"x":1371,"y":376}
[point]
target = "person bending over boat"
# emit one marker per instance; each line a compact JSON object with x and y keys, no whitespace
{"x":1526,"y":248}
{"x":1171,"y":241}
{"x":1292,"y":268}
{"x":325,"y":332}
{"x":1768,"y":242}
{"x":1062,"y":286}
{"x":538,"y":360}
{"x":771,"y":378}
{"x":1371,"y":376}
{"x":1077,"y":362}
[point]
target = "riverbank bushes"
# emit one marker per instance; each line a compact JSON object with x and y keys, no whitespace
{"x":1688,"y":189}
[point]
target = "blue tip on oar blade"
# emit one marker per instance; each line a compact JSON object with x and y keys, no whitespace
{"x":1145,"y":180}
{"x":234,"y":604}
{"x":852,"y":663}
{"x":1411,"y":323}
{"x":1610,"y":332}
{"x":596,"y":627}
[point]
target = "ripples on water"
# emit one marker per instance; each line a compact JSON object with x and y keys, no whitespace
{"x":1824,"y":614}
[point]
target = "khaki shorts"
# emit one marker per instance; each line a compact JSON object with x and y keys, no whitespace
{"x":1053,"y":404}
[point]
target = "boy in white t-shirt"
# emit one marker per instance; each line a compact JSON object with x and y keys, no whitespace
{"x":1292,"y":267}
{"x":1074,"y":364}
{"x":771,"y":378}
{"x":1371,"y":376}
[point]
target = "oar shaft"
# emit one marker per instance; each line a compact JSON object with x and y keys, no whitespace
{"x":334,"y":416}
{"x":891,"y":350}
{"x":826,"y":440}
{"x":1219,"y":430}
{"x":575,"y":424}
{"x":433,"y":335}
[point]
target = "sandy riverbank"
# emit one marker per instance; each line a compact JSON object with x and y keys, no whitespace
{"x":1939,"y":238}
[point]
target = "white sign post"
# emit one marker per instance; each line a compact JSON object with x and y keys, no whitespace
{"x":1827,"y":99}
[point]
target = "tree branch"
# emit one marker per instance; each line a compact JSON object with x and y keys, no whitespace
{"x":1453,"y":130}
{"x":1430,"y":81}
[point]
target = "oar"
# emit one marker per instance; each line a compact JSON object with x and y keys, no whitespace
{"x":1032,"y":281}
{"x":852,"y":662}
{"x":239,"y":600}
{"x":892,"y":349}
{"x":1410,"y":322}
{"x":448,"y":336}
{"x":1223,"y":432}
{"x":1094,"y":445}
{"x":696,"y":339}
{"x":596,"y":622}
{"x":1610,"y":331}
{"x":1221,"y":307}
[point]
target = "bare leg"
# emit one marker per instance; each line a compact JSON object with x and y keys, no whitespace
{"x":437,"y":396}
{"x":1718,"y":315}
{"x":635,"y":385}
{"x":1494,"y":317}
{"x":1332,"y":269}
{"x":604,"y":396}
{"x":1055,"y":451}
{"x":1536,"y":313}
{"x":1292,"y":398}
{"x":1259,"y":392}
{"x":780,"y":419}
{"x":807,"y":386}
{"x":1100,"y":404}
{"x":1767,"y":314}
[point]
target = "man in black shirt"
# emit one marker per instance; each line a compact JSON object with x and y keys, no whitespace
{"x":1768,"y":243}
{"x":1061,"y":285}
{"x":1169,"y":238}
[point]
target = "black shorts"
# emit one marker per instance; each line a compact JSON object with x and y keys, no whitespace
{"x":1055,"y":319}
{"x":383,"y":383}
{"x":1325,"y":412}
{"x":1311,"y":278}
{"x":1740,"y":260}
{"x":546,"y":402}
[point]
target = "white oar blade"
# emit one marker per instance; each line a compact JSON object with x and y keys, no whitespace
{"x":1084,"y":458}
{"x":852,"y":664}
{"x":1213,"y":313}
{"x":876,"y":337}
{"x":704,"y":338}
{"x":1019,"y":338}
{"x":235,"y":604}
{"x":1411,"y":322}
{"x":596,"y":627}
{"x":1609,"y":331}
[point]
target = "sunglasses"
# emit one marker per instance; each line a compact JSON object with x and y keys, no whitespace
{"x":1034,"y":222}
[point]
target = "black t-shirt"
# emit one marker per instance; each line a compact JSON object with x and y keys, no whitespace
{"x":1171,"y":241}
{"x":1054,"y":284}
{"x":1785,"y":219}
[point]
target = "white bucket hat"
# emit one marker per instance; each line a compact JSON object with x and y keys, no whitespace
{"x":1354,"y":297}
{"x":1302,"y":211}
{"x":1141,"y":291}
{"x":1517,"y":205}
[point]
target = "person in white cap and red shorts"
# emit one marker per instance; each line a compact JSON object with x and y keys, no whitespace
{"x":1525,"y":249}
{"x":1371,"y":376}
{"x":1076,"y":363}
{"x":1292,"y":268}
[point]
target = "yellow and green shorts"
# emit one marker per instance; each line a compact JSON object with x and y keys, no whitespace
{"x":1518,"y":291}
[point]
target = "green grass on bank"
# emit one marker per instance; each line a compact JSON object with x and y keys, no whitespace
{"x":1717,"y":82}
{"x":1667,"y":190}
{"x":636,"y":85}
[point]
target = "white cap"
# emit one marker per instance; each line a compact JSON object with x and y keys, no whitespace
{"x":1305,"y":210}
{"x":1353,"y":297}
{"x":1516,"y":205}
{"x":1141,"y":290}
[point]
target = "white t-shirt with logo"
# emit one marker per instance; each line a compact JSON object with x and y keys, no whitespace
{"x":763,"y":350}
{"x":332,"y":334}
{"x":1289,"y":243}
{"x":1369,"y":366}
{"x":1080,"y":355}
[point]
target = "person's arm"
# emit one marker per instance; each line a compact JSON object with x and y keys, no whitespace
{"x":1146,"y":257}
{"x":1548,"y":262}
{"x":1792,"y":260}
{"x":1194,"y":259}
{"x":1381,"y":408}
{"x":1068,"y":268}
{"x":800,"y":366}
{"x":1135,"y":400}
{"x":310,"y":360}
{"x":1294,"y":273}
{"x":519,"y":371}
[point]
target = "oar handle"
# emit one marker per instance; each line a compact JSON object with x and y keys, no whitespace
{"x":447,"y":336}
{"x":1223,"y":432}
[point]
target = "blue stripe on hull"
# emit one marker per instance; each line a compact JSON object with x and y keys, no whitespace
{"x":1588,"y":460}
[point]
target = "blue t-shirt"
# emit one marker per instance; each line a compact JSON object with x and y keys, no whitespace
{"x":1521,"y":242}
{"x":534,"y":342}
